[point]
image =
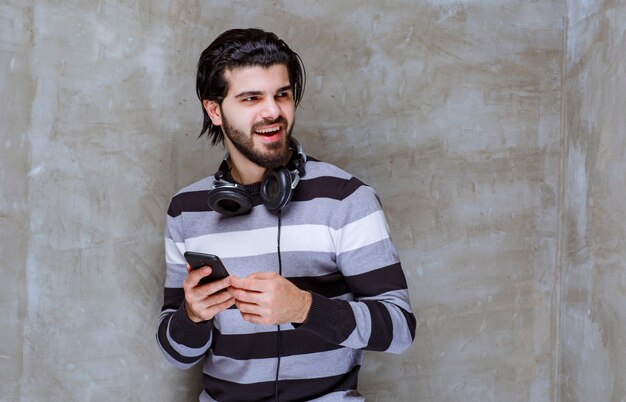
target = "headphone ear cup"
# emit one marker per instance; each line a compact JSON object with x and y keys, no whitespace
{"x":276,"y":189}
{"x":229,"y":201}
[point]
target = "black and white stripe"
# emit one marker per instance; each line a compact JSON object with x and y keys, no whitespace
{"x":334,"y":243}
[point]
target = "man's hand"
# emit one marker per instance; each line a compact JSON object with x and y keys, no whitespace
{"x":202,"y":302}
{"x":268,"y":298}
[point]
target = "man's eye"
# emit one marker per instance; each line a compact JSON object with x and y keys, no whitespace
{"x":285,"y":94}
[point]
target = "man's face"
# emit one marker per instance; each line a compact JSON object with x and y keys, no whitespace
{"x":257,"y":114}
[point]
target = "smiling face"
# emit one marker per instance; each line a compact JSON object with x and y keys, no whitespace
{"x":257,"y":114}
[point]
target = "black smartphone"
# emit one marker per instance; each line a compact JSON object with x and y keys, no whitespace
{"x":197,"y":260}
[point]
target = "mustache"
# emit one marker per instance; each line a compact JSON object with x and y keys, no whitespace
{"x":277,"y":120}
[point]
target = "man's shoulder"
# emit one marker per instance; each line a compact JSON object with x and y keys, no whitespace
{"x":203,"y":184}
{"x":333,"y":181}
{"x":316,"y":168}
{"x":191,"y":197}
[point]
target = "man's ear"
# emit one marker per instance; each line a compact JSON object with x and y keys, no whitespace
{"x":213,"y":110}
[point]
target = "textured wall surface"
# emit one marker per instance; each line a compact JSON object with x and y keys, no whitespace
{"x":450,"y":109}
{"x":593,"y":307}
{"x":17,"y":93}
{"x":98,"y":130}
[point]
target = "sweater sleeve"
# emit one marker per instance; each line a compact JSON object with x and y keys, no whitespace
{"x":182,"y":342}
{"x":379,"y":317}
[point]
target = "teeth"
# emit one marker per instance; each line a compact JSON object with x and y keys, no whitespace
{"x":269,"y":130}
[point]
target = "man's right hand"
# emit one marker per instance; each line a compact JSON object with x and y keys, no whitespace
{"x":203,"y":302}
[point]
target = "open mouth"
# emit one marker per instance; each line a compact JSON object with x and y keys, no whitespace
{"x":268,"y":131}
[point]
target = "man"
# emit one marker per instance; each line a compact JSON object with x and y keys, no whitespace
{"x":314,"y":278}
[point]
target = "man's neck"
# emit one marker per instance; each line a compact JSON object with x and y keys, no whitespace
{"x":244,"y":171}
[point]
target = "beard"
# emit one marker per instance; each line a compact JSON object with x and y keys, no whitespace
{"x":271,"y":155}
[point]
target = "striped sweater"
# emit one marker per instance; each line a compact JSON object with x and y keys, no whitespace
{"x":334,"y":242}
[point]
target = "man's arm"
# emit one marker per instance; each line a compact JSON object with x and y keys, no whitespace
{"x":381,"y":322}
{"x":182,"y":341}
{"x":380,"y":316}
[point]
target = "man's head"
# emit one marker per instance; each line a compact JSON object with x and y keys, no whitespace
{"x":236,"y":49}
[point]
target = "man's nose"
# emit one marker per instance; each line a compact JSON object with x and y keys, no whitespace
{"x":270,"y":110}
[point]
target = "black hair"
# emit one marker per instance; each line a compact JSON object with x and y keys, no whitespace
{"x":237,"y":48}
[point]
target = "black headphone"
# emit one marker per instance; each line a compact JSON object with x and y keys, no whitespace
{"x":231,"y":199}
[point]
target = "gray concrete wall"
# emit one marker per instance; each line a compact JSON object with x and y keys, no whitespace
{"x":451,"y":109}
{"x":593,"y":295}
{"x":98,"y":128}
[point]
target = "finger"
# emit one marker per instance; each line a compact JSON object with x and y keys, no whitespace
{"x":238,"y":282}
{"x":214,"y":287}
{"x":246,"y":296}
{"x":263,"y":275}
{"x":219,"y":298}
{"x":245,"y":307}
{"x":210,"y":312}
{"x":197,"y":296}
{"x":226,"y":304}
{"x":249,"y":284}
{"x":207,"y":305}
{"x":256,"y":319}
{"x":196,"y":275}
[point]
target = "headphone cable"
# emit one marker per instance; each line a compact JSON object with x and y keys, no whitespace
{"x":280,"y":272}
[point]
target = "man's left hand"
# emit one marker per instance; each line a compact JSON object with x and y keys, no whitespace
{"x":268,"y":298}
